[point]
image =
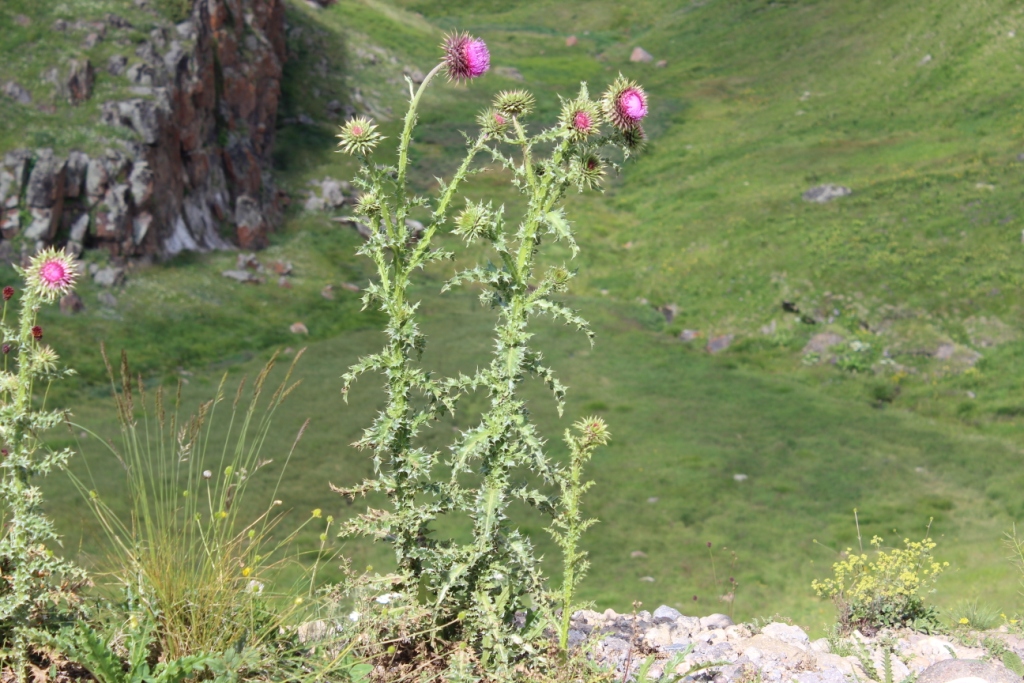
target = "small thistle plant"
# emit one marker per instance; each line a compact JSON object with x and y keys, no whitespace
{"x":35,"y":582}
{"x":489,"y":592}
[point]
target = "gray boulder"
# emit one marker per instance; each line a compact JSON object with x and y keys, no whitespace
{"x":111,"y":276}
{"x":80,"y":80}
{"x":74,"y":174}
{"x":17,"y":93}
{"x":117,"y":64}
{"x":46,"y":183}
{"x":825,"y":193}
{"x":967,"y":671}
{"x":666,"y":614}
{"x":715,"y":621}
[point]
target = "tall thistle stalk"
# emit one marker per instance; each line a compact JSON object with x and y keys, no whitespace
{"x":36,"y":584}
{"x":403,"y":470}
{"x":489,"y":592}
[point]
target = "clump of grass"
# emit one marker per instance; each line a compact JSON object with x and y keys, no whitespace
{"x":974,"y":615}
{"x":197,"y":568}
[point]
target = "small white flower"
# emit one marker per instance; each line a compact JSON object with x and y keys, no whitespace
{"x":387,"y":597}
{"x":254,"y":586}
{"x":498,"y":576}
{"x":354,"y":616}
{"x":207,"y":474}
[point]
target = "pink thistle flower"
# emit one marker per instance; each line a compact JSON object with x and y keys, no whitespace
{"x":465,"y":57}
{"x":54,"y":274}
{"x":582,"y":122}
{"x":50,"y":274}
{"x":37,"y":333}
{"x":633,"y":104}
{"x":624,"y":103}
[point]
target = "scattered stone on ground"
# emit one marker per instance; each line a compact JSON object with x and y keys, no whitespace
{"x":509,"y":72}
{"x":298,"y":328}
{"x":987,"y":332}
{"x":71,"y":303}
{"x":689,"y":335}
{"x":327,"y":292}
{"x":822,"y":342}
{"x":244,"y":276}
{"x":670,"y":311}
{"x":661,"y":63}
{"x":719,"y":343}
{"x":640,"y":55}
{"x":281,"y":267}
{"x":570,"y":41}
{"x":17,"y":93}
{"x":80,"y":80}
{"x":328,"y":193}
{"x":107,"y":299}
{"x":638,"y":554}
{"x":350,"y":287}
{"x":825,"y":193}
{"x":779,"y":652}
{"x":110,"y":276}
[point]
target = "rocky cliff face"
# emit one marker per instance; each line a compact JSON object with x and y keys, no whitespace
{"x":192,"y":172}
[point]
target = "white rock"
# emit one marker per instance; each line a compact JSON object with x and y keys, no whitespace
{"x":715,"y":621}
{"x":791,"y":635}
{"x":665,"y":614}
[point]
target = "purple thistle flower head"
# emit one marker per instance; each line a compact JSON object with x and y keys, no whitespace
{"x":633,"y":104}
{"x":582,"y":122}
{"x":465,"y":57}
{"x":625,"y":104}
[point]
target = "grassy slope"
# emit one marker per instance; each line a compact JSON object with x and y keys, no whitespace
{"x":913,"y":141}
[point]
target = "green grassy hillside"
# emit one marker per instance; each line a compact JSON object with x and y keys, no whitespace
{"x":757,"y":102}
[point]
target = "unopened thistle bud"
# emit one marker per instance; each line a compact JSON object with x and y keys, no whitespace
{"x":465,"y":57}
{"x":8,"y":293}
{"x":37,"y":333}
{"x":624,"y":103}
{"x":6,"y":349}
{"x":51,"y":273}
{"x":473,"y":221}
{"x":633,"y":139}
{"x":514,"y":103}
{"x":358,"y":136}
{"x":493,"y":122}
{"x":593,"y":430}
{"x":591,"y":171}
{"x":368,"y":204}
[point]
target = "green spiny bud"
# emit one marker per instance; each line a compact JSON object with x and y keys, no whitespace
{"x":369,"y":204}
{"x":473,"y":221}
{"x":514,"y":103}
{"x":493,"y":122}
{"x":358,"y":136}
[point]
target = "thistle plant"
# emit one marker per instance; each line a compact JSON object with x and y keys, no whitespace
{"x":489,"y":592}
{"x":568,"y":526}
{"x":36,"y":583}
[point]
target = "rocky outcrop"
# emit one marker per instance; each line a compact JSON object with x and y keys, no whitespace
{"x":194,"y":172}
{"x":714,"y":649}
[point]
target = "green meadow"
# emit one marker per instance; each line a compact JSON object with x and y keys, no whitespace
{"x":914,"y":106}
